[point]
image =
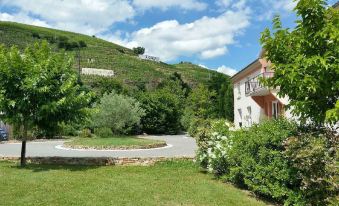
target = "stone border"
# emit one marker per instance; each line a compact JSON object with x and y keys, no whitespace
{"x":95,"y":161}
{"x":102,"y":148}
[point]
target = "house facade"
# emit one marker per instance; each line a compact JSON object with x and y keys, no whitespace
{"x":254,"y":102}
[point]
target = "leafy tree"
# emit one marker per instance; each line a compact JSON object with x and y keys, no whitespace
{"x":82,"y":44}
{"x":222,"y":85}
{"x":39,"y":88}
{"x":305,"y":60}
{"x":177,"y":85}
{"x":118,"y":112}
{"x":163,"y":111}
{"x":139,"y":50}
{"x":201,"y":102}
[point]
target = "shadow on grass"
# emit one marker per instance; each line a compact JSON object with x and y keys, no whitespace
{"x":47,"y":167}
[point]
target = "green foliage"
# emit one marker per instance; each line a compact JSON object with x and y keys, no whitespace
{"x":128,"y":69}
{"x":200,"y":105}
{"x":139,"y":50}
{"x":118,"y":112}
{"x":223,"y":87}
{"x":332,"y":115}
{"x":312,"y":157}
{"x":85,"y":133}
{"x":274,"y":159}
{"x":39,"y":88}
{"x":305,"y":60}
{"x":103,"y":132}
{"x":201,"y":102}
{"x":163,"y":108}
{"x":104,"y":85}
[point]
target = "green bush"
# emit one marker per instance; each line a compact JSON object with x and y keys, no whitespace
{"x":118,"y":112}
{"x":312,"y":157}
{"x":85,"y":133}
{"x":103,"y":132}
{"x":163,"y":112}
{"x":274,"y":159}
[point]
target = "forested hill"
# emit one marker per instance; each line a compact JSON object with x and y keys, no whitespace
{"x":97,"y":53}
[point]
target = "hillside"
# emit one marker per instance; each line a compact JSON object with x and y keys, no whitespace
{"x":101,"y":54}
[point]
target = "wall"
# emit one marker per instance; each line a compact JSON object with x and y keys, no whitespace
{"x":94,"y":161}
{"x":243,"y":102}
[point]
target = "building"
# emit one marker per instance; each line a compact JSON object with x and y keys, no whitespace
{"x":252,"y":101}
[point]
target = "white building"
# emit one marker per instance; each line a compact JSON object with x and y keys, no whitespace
{"x":252,"y":101}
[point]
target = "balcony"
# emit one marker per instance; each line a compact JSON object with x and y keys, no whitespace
{"x":253,"y":87}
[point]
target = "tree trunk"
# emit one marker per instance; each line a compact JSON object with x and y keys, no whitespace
{"x":23,"y":153}
{"x":23,"y":147}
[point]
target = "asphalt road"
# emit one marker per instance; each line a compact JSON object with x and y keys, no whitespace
{"x":177,"y":146}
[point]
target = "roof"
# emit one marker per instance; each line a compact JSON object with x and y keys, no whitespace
{"x":244,"y":69}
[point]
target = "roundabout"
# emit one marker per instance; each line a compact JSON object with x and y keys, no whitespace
{"x":177,"y":146}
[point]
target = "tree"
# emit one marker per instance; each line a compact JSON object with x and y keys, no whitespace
{"x":139,"y":50}
{"x":222,"y":85}
{"x":201,"y":102}
{"x":305,"y":60}
{"x":163,"y":111}
{"x":39,"y":88}
{"x":117,"y":112}
{"x":82,"y":44}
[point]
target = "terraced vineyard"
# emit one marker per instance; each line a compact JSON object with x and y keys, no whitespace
{"x":128,"y":68}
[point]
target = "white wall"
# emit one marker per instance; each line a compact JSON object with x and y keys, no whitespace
{"x":242,"y":102}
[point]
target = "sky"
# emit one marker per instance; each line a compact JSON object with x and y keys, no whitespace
{"x":222,"y":35}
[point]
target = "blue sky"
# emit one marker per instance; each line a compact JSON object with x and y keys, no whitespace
{"x":221,"y":34}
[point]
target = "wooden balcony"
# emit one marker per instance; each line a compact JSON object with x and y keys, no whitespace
{"x":253,"y":87}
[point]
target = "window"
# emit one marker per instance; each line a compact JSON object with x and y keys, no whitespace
{"x":240,"y":117}
{"x":249,"y":111}
{"x":239,"y":91}
{"x":275,"y":109}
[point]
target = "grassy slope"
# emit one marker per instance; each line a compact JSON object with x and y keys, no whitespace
{"x":128,"y":68}
{"x":114,"y":142}
{"x":167,"y":183}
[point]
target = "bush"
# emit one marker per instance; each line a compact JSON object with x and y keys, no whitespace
{"x":163,"y":112}
{"x":103,"y":132}
{"x":139,"y":50}
{"x":118,"y":112}
{"x":85,"y":133}
{"x":273,"y":159}
{"x":312,"y":156}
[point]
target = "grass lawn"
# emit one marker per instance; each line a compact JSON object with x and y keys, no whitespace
{"x":167,"y":183}
{"x":115,"y":142}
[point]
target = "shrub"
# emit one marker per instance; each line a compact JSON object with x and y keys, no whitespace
{"x":36,"y":35}
{"x":82,"y":44}
{"x":103,"y":132}
{"x":163,"y":112}
{"x":139,"y":50}
{"x":312,"y":157}
{"x":85,"y":133}
{"x":118,"y":112}
{"x":273,"y":159}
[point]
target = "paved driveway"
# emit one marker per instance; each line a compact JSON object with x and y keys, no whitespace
{"x":177,"y":146}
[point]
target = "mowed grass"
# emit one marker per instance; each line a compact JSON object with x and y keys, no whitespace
{"x":114,"y":142}
{"x":167,"y":183}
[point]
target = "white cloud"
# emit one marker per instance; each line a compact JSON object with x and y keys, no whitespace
{"x":83,"y":16}
{"x":208,"y":54}
{"x":226,"y":70}
{"x":268,"y":8}
{"x":224,"y":3}
{"x":166,"y":4}
{"x":203,"y":66}
{"x":208,"y":37}
{"x":23,"y":18}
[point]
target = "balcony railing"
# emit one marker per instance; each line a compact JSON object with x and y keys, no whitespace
{"x":254,"y":84}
